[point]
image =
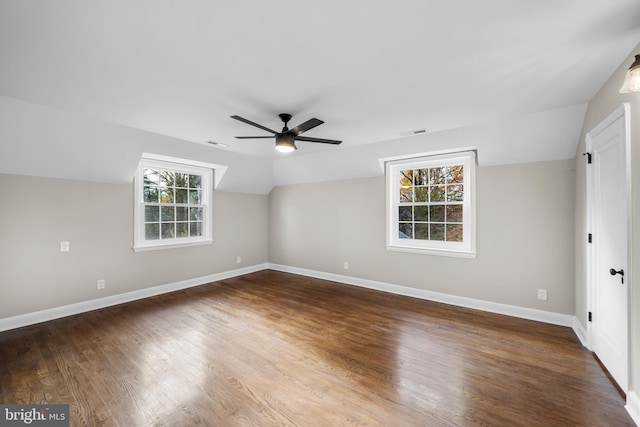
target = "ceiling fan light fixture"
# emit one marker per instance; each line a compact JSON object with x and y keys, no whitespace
{"x":285,"y":143}
{"x":632,"y":78}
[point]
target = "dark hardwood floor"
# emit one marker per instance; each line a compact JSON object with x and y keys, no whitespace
{"x":271,"y":348}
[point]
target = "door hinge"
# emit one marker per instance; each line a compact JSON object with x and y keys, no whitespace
{"x":590,"y":317}
{"x":590,"y":238}
{"x":588,"y":157}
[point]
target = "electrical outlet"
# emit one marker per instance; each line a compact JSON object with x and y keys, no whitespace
{"x":101,"y":284}
{"x":542,"y":294}
{"x":346,"y":265}
{"x":64,"y":246}
{"x":238,"y":260}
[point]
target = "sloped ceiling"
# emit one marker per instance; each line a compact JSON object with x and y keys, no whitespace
{"x":116,"y":78}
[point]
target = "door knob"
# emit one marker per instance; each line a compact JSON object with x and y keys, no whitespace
{"x":613,"y":272}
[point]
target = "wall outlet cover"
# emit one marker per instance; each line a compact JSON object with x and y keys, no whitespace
{"x":542,"y":294}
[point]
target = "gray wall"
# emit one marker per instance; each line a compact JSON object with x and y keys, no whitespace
{"x":524,"y":236}
{"x":604,"y":103}
{"x":97,"y":220}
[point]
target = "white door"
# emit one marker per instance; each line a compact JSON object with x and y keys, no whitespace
{"x":609,"y":285}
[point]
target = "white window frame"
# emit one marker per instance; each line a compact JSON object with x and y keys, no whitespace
{"x":464,"y":249}
{"x":206,"y":170}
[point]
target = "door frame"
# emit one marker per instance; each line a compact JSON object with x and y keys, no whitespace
{"x":621,"y":112}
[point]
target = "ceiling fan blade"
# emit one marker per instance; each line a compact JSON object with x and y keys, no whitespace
{"x":324,"y":141}
{"x":309,"y":124}
{"x":249,"y":122}
{"x":253,"y":137}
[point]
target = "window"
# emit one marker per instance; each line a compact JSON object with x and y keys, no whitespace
{"x":172,"y":203}
{"x":430,"y":204}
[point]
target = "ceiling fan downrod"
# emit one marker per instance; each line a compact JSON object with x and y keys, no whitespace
{"x":285,"y":119}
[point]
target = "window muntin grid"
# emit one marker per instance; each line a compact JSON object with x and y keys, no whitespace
{"x":173,"y":207}
{"x":430,"y":203}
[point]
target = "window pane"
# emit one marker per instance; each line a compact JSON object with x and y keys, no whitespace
{"x":453,"y":174}
{"x":181,"y":195}
{"x":406,"y":178}
{"x":422,"y":231}
{"x":454,"y":213}
{"x":436,"y":176}
{"x":182,"y":213}
{"x":167,"y":179}
{"x":151,"y":213}
{"x":195,"y":181}
{"x":150,"y":177}
{"x":455,"y":193}
{"x":152,"y":231}
{"x":180,"y":179}
{"x":195,"y":229}
{"x":437,"y":213}
{"x":168,"y":230}
{"x":454,"y":232}
{"x":421,"y":213}
{"x":456,"y":174}
{"x":437,"y":231}
{"x":195,"y":214}
{"x":405,"y":230}
{"x":405,"y":213}
{"x":150,"y":194}
{"x":437,"y":194}
{"x":182,"y":229}
{"x":421,"y":177}
{"x":422,"y":194}
{"x":168,"y":213}
{"x":406,"y":194}
{"x":194,"y":196}
{"x":166,"y":195}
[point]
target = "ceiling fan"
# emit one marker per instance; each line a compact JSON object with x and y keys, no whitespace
{"x":285,"y":139}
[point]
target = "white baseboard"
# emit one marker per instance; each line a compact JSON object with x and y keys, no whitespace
{"x":82,"y":307}
{"x":633,"y":407}
{"x":581,"y":333}
{"x":492,"y":307}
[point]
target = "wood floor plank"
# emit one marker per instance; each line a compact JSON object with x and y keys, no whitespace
{"x":272,"y":348}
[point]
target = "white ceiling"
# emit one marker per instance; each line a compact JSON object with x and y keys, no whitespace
{"x":369,"y":69}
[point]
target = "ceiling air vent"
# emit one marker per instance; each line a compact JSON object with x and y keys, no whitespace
{"x":218,"y":144}
{"x":413,"y":132}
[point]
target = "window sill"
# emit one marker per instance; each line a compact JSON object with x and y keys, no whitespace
{"x":438,"y":252}
{"x":172,"y":245}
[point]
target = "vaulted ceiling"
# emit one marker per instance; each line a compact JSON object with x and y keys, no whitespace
{"x":517,"y":74}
